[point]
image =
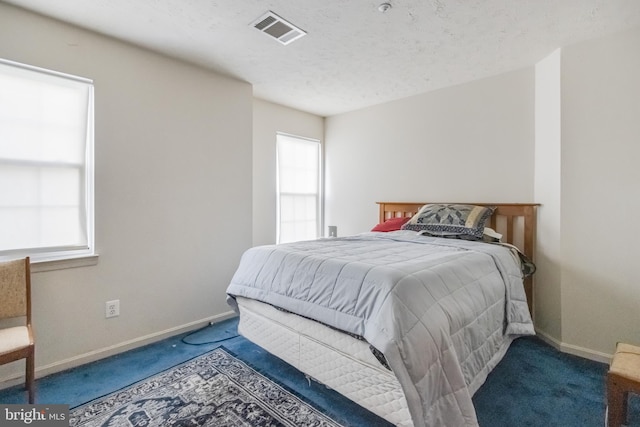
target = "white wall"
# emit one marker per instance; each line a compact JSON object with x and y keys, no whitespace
{"x":173,"y":147}
{"x":473,"y":143}
{"x":600,"y":195}
{"x":563,"y":133}
{"x":268,"y":119}
{"x":548,"y":289}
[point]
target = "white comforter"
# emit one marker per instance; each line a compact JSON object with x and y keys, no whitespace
{"x":442,"y":311}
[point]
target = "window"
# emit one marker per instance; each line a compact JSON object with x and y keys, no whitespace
{"x":46,"y":163}
{"x":298,"y":164}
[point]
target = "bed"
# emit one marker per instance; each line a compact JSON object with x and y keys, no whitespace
{"x":405,"y":324}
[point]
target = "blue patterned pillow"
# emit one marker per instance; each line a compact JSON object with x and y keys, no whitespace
{"x":459,"y":221}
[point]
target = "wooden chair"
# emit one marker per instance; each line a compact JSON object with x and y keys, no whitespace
{"x":17,"y":342}
{"x":623,"y":377}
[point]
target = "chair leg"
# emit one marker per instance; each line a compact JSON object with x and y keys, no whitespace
{"x":29,"y":377}
{"x":616,"y":399}
{"x":625,"y":407}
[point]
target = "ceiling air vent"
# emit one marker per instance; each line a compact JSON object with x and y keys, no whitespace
{"x":281,"y":30}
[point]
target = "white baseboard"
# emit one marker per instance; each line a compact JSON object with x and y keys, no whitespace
{"x":574,"y":349}
{"x":98,"y":354}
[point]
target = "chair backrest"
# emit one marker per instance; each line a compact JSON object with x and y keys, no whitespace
{"x":15,"y":283}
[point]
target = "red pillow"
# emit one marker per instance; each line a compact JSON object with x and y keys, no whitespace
{"x":392,"y":224}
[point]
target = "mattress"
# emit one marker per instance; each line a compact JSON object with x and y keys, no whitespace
{"x":442,"y":311}
{"x":328,"y":356}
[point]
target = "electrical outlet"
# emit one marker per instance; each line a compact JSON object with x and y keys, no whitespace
{"x":333,"y":231}
{"x":112,"y":308}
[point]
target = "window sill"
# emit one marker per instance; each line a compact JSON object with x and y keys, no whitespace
{"x":39,"y":266}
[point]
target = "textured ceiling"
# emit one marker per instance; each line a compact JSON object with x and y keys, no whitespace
{"x":353,"y":55}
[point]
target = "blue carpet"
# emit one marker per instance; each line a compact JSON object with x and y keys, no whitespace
{"x":534,"y":385}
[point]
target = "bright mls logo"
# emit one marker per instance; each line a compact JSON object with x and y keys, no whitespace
{"x":36,"y":415}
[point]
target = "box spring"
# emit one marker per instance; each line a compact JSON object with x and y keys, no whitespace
{"x":328,"y":356}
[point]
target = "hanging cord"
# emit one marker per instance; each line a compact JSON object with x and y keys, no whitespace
{"x":184,"y":339}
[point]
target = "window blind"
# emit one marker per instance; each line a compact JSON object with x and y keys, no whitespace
{"x":46,"y":161}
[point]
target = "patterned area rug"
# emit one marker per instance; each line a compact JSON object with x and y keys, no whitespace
{"x":215,"y":389}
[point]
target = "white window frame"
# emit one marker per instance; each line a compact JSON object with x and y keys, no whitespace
{"x":318,"y":193}
{"x":54,"y":257}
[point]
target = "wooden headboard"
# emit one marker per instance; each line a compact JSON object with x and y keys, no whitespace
{"x":515,"y":221}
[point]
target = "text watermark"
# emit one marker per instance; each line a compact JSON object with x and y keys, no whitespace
{"x":34,"y":415}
